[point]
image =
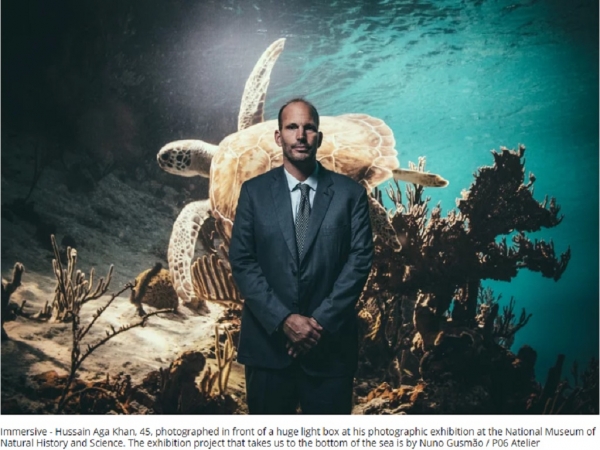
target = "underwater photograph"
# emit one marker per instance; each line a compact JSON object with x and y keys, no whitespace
{"x":129,"y":127}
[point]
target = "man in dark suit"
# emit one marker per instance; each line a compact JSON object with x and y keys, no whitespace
{"x":300,"y":252}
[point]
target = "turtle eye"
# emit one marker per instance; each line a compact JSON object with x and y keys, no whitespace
{"x":164,"y":156}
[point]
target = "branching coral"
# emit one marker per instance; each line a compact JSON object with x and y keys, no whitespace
{"x":498,"y":202}
{"x":72,"y":289}
{"x":501,"y":328}
{"x":79,"y":333}
{"x":72,"y":292}
{"x":444,"y":259}
{"x":442,"y":264}
{"x":114,"y":394}
{"x":559,"y":397}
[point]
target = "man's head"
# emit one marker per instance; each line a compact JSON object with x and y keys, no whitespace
{"x":313,"y":110}
{"x":299,"y":136}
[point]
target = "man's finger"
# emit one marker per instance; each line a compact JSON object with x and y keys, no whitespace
{"x":315,"y":324}
{"x":300,"y":348}
{"x":314,"y":335}
{"x":312,"y":342}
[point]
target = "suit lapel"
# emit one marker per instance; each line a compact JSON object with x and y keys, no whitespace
{"x":283,"y":209}
{"x":321,"y":202}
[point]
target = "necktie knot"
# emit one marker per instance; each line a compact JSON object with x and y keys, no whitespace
{"x":304,"y":188}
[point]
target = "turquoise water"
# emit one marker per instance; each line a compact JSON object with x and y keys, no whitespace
{"x":455,"y":80}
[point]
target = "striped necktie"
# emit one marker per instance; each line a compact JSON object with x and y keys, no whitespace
{"x":302,"y":217}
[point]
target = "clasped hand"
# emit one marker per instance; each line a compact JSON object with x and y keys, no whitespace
{"x":303,"y":334}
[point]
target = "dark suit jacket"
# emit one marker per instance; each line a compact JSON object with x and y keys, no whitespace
{"x":325,"y":284}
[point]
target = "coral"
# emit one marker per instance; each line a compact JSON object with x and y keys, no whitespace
{"x":444,"y":259}
{"x":386,"y":327}
{"x":72,"y":292}
{"x":220,"y":377}
{"x":213,"y":280}
{"x":461,"y":375}
{"x":116,"y":395}
{"x":231,"y":319}
{"x":386,"y":400}
{"x":178,"y":391}
{"x":77,"y":355}
{"x":72,"y":289}
{"x":224,"y":359}
{"x":8,"y":288}
{"x":430,"y":293}
{"x":559,"y":397}
{"x":587,"y":388}
{"x":176,"y":388}
{"x":498,"y":202}
{"x":154,"y":287}
{"x":99,"y":397}
{"x":500,"y":328}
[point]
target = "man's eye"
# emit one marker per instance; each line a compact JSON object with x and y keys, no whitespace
{"x":292,"y":126}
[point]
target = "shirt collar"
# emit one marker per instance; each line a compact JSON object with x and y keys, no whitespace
{"x":312,"y":180}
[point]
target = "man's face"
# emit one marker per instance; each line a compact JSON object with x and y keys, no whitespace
{"x":299,"y":137}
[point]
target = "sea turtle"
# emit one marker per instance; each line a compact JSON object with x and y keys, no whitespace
{"x":358,"y":145}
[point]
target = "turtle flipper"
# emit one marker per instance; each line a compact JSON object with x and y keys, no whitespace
{"x":181,"y":251}
{"x":255,"y":91}
{"x":418,"y":177}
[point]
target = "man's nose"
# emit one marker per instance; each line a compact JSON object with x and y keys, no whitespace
{"x":300,"y":133}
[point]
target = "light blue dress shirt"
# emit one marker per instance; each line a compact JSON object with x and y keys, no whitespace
{"x":295,"y":194}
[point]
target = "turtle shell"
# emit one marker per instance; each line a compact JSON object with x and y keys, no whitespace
{"x":357,"y":145}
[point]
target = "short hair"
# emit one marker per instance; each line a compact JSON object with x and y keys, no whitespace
{"x":313,"y":110}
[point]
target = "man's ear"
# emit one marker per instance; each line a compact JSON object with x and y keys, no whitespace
{"x":278,"y":138}
{"x":320,"y":139}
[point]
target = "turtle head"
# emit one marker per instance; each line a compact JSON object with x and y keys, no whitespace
{"x":187,"y":158}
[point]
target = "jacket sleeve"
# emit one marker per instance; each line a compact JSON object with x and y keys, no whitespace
{"x":247,"y":273}
{"x":340,"y":303}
